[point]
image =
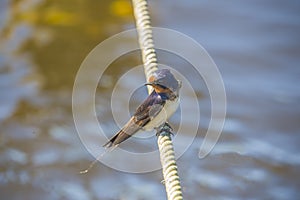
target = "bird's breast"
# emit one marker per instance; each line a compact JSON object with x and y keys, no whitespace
{"x":166,"y":112}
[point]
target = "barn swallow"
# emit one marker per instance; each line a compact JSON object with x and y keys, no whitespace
{"x":156,"y":108}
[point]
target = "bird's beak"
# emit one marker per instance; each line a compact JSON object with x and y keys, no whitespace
{"x":151,"y":83}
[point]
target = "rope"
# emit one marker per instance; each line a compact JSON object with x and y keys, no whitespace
{"x":168,"y":161}
{"x":146,"y":43}
{"x":165,"y":145}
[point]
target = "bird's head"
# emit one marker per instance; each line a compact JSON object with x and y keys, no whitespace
{"x":163,"y":81}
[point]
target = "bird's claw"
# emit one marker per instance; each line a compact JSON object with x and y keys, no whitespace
{"x":166,"y":127}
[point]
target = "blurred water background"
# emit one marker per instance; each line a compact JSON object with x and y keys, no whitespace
{"x":255,"y":44}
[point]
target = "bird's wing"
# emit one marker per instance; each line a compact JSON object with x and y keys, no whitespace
{"x":143,"y":114}
{"x":128,"y":130}
{"x":149,"y":108}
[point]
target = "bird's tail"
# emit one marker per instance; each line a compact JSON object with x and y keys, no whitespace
{"x":117,"y":139}
{"x":126,"y":132}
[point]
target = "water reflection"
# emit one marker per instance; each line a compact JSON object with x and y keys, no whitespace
{"x":255,"y":44}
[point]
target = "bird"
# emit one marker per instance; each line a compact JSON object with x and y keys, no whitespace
{"x":155,"y":110}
